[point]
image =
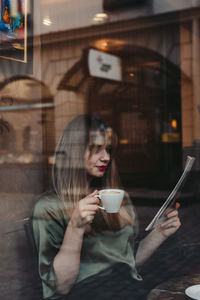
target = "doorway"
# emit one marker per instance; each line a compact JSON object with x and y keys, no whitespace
{"x":144,"y":109}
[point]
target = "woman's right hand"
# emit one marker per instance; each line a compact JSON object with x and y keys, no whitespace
{"x":67,"y":261}
{"x":85,"y":210}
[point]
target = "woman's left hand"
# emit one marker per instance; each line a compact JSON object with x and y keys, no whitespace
{"x":158,"y":235}
{"x":172,"y":224}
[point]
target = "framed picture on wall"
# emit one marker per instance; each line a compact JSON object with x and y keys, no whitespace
{"x":14,"y":29}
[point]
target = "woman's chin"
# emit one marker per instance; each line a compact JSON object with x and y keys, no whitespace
{"x":98,"y":174}
{"x":95,"y":175}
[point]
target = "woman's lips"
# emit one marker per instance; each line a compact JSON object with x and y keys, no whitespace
{"x":102,"y":168}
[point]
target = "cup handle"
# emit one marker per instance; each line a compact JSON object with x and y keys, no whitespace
{"x":101,"y":207}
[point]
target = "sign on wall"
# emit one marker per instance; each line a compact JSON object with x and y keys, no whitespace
{"x":104,"y":65}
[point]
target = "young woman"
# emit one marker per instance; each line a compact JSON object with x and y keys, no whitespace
{"x":83,"y":251}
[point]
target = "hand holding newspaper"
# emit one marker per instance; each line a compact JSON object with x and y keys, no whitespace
{"x":174,"y":194}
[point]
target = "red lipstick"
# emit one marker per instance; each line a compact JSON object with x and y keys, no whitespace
{"x":102,"y":168}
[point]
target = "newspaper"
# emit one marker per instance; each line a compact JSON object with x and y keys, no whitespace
{"x":174,"y":194}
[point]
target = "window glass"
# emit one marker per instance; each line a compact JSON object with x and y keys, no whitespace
{"x":133,"y":64}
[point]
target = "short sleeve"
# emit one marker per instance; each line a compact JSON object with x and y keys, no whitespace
{"x":49,"y":225}
{"x":132,"y":212}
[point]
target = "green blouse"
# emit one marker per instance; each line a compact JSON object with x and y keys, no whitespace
{"x":99,"y":252}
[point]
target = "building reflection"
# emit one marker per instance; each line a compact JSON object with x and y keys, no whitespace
{"x":140,"y":106}
{"x":27,"y":133}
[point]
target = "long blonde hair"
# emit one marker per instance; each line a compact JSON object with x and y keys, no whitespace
{"x":69,"y":175}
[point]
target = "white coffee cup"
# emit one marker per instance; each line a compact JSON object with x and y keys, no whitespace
{"x":111,"y":200}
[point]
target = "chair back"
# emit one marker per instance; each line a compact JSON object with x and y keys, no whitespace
{"x":28,"y":228}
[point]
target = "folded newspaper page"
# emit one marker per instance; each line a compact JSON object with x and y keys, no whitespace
{"x":173,"y":195}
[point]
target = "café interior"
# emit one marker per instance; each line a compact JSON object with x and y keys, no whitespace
{"x":137,"y":66}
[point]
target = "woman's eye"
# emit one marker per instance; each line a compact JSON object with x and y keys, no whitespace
{"x":109,"y":149}
{"x":90,"y":148}
{"x":98,"y":149}
{"x":95,"y":148}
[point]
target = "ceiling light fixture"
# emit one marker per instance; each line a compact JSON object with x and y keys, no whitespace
{"x":47,"y":21}
{"x":100,"y":18}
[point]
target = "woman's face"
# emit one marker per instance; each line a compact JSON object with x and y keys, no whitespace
{"x":97,"y":156}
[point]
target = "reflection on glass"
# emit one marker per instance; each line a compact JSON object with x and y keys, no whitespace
{"x":152,"y":106}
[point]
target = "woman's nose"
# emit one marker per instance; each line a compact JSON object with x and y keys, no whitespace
{"x":105,"y":156}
